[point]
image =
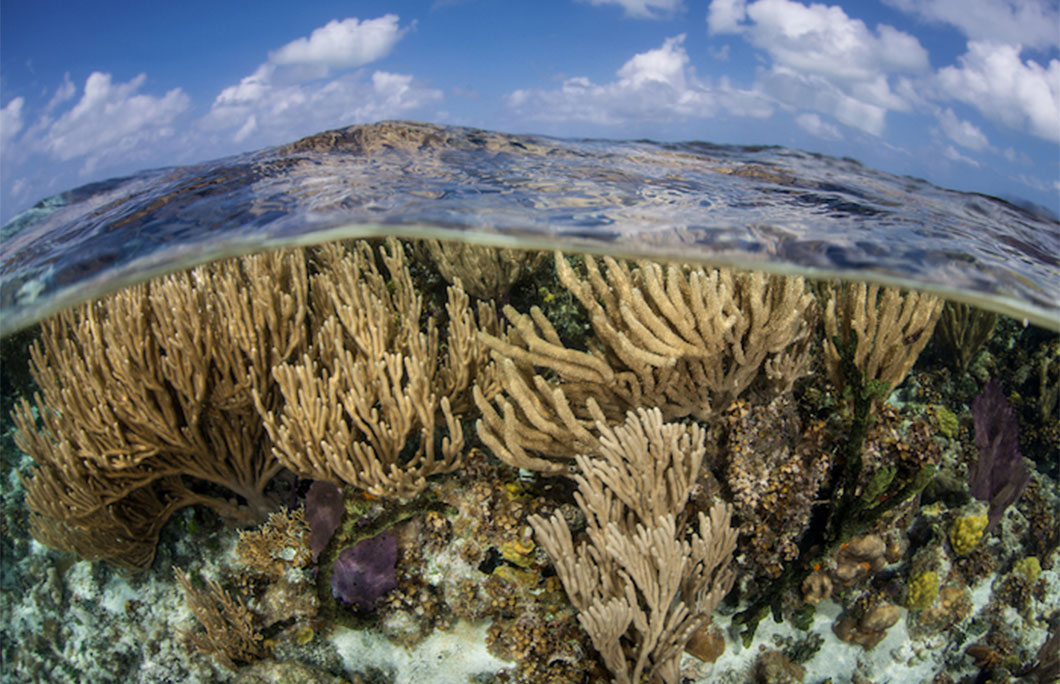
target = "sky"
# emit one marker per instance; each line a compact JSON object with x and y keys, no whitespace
{"x":963,"y":93}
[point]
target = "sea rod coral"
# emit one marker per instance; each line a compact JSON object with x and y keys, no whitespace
{"x":146,"y":399}
{"x":685,"y":340}
{"x":222,"y":376}
{"x":642,"y":588}
{"x":375,"y":377}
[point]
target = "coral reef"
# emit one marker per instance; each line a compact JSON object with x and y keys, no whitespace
{"x":641,"y":588}
{"x":999,"y":475}
{"x":870,"y":628}
{"x":280,"y":543}
{"x":230,"y":636}
{"x":966,"y":532}
{"x":686,"y":341}
{"x":773,"y":470}
{"x":855,"y":517}
{"x":324,"y":508}
{"x":922,"y":590}
{"x":963,"y":330}
{"x":147,"y":398}
{"x":375,"y":378}
{"x":484,"y":272}
{"x":888,"y":330}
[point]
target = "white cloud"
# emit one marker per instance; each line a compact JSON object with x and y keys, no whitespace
{"x":1016,"y":157}
{"x":1033,"y":23}
{"x":952,"y":154}
{"x":993,"y":78}
{"x":657,"y":85}
{"x":823,"y":40}
{"x":66,"y":91}
{"x":289,"y":96}
{"x":1037,"y":183}
{"x":247,"y":129}
{"x":644,"y":9}
{"x":812,"y":124}
{"x":111,"y":128}
{"x":11,"y":120}
{"x":342,"y":44}
{"x":964,"y":133}
{"x":819,"y":94}
{"x":270,"y":114}
{"x":725,"y":16}
{"x":824,"y":60}
{"x":665,"y":65}
{"x":112,"y":120}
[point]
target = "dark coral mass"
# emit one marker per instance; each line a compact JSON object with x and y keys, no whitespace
{"x":365,"y":571}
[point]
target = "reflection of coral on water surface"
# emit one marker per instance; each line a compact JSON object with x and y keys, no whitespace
{"x":379,"y":461}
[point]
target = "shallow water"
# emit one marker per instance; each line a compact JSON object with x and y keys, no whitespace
{"x":859,"y":521}
{"x":763,"y":207}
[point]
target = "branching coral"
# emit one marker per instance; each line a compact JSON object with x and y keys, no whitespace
{"x":147,"y":396}
{"x":363,"y":405}
{"x":230,"y":634}
{"x":683,"y":339}
{"x":963,"y":330}
{"x":485,"y":272}
{"x":641,"y":587}
{"x":282,"y":542}
{"x":220,"y":377}
{"x":888,"y":328}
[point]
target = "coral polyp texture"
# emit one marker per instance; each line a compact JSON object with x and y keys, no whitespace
{"x":397,"y":462}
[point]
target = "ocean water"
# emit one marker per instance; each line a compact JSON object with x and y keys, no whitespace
{"x":895,"y":512}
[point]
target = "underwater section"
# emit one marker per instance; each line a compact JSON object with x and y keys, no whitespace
{"x":384,"y":460}
{"x":768,"y":208}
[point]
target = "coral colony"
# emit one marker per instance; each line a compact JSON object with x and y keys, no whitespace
{"x":616,"y":477}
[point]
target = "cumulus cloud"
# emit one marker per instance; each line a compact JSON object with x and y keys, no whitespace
{"x":1032,"y":23}
{"x":112,"y":127}
{"x":657,"y":85}
{"x":342,"y":44}
{"x":819,"y":94}
{"x":291,"y":94}
{"x":112,"y":120}
{"x":824,"y":60}
{"x":644,"y":9}
{"x":270,"y":113}
{"x":992,"y":78}
{"x":725,"y":16}
{"x":823,"y":40}
{"x":964,"y":133}
{"x":812,"y":124}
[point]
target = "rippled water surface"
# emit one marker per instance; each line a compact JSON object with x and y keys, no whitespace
{"x":768,"y":207}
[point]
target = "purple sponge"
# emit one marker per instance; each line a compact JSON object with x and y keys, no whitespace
{"x":324,"y":510}
{"x":365,"y":571}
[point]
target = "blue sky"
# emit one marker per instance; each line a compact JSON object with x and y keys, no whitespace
{"x":964,"y":93}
